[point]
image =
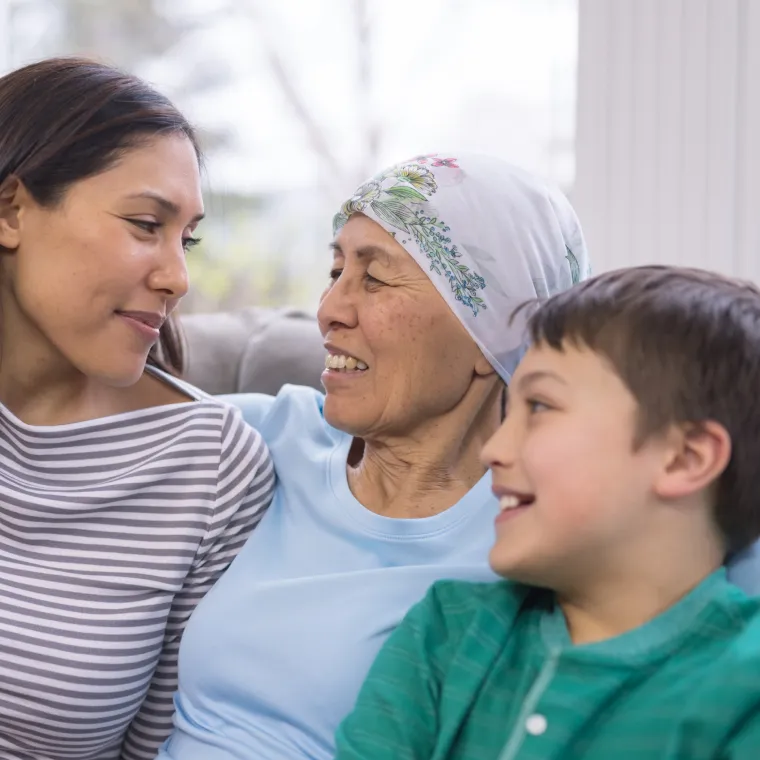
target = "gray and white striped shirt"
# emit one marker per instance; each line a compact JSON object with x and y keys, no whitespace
{"x":111,"y":531}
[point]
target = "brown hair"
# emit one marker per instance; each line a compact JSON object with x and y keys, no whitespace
{"x":66,"y":119}
{"x":687,"y":345}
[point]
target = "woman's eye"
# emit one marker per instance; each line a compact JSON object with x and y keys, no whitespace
{"x":368,"y":278}
{"x":153,"y":227}
{"x":190,"y":242}
{"x":145,"y":226}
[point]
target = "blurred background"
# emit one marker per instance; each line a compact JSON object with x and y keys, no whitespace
{"x":298,"y":101}
{"x":646,"y":112}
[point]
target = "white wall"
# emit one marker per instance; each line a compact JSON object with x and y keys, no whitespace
{"x":668,"y":133}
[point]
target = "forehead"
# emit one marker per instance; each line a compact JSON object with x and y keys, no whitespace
{"x":364,"y":237}
{"x":576,"y":367}
{"x":167,"y":166}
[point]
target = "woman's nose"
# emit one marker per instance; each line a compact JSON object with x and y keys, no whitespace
{"x":337,"y":307}
{"x":170,"y":273}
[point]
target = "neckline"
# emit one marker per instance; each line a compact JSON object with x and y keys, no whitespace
{"x":396,"y":528}
{"x":657,"y":637}
{"x":195,"y":396}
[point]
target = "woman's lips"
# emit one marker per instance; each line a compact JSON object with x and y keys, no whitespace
{"x":149,"y":318}
{"x":145,"y":323}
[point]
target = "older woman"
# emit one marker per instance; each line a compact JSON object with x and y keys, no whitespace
{"x":381,"y":490}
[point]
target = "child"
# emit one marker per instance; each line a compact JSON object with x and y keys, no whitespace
{"x":627,"y":468}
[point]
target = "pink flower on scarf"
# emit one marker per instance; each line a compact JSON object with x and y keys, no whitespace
{"x":449,"y":163}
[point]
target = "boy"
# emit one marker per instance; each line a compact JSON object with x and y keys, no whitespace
{"x":627,"y":468}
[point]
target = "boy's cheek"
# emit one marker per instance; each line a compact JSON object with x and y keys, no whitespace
{"x":516,"y":543}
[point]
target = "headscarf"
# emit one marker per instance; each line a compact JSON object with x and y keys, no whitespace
{"x":489,"y":235}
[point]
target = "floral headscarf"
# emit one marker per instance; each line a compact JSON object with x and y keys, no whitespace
{"x":490,"y":237}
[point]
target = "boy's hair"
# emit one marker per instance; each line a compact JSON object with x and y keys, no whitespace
{"x":687,"y":344}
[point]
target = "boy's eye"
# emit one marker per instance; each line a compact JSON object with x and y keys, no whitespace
{"x":535,"y":406}
{"x":335,"y":273}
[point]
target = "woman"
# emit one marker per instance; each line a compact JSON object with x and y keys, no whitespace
{"x":381,"y":490}
{"x":123,"y":494}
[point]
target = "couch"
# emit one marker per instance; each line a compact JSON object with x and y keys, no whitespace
{"x":255,"y":350}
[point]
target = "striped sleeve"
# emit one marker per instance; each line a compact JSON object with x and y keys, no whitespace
{"x":244,"y":491}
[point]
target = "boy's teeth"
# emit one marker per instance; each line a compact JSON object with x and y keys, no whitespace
{"x":508,"y":502}
{"x":343,"y":362}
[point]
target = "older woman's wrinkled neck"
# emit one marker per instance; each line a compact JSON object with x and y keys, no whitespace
{"x":429,"y":470}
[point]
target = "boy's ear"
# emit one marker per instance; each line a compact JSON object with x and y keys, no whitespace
{"x":697,"y":456}
{"x":12,"y":195}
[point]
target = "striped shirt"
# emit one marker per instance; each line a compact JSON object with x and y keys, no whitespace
{"x":111,"y":531}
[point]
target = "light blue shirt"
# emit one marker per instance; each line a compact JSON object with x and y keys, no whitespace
{"x":273,"y":658}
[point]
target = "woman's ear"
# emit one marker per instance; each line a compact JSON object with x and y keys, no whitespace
{"x":12,"y":195}
{"x":697,"y":455}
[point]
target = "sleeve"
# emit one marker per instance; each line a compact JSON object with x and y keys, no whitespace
{"x":735,"y":707}
{"x":396,"y":713}
{"x":244,"y":491}
{"x":721,"y":716}
{"x":744,"y":745}
{"x":255,"y":408}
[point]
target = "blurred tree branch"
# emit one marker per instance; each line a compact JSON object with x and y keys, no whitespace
{"x":133,"y":34}
{"x":285,"y":79}
{"x":370,"y":128}
{"x":287,"y":85}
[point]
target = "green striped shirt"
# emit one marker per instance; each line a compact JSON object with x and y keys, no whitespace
{"x":488,"y":672}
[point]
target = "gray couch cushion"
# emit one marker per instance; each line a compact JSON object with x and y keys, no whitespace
{"x":255,"y":350}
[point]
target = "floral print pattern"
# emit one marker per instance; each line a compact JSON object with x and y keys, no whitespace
{"x":398,"y":198}
{"x":575,"y":269}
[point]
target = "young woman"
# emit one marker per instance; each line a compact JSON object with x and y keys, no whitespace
{"x":123,"y":493}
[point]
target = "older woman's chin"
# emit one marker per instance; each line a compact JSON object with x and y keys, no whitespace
{"x":348,"y":401}
{"x":345,"y":416}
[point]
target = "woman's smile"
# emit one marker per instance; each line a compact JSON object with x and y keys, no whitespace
{"x":144,"y":323}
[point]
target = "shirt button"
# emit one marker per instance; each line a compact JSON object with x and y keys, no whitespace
{"x":536,"y":724}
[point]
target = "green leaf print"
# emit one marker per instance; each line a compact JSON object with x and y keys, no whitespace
{"x":395,"y":197}
{"x":406,"y":193}
{"x":394,"y":213}
{"x":338,"y":221}
{"x":575,"y":270}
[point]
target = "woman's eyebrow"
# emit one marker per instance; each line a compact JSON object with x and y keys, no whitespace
{"x":365,"y":252}
{"x":374,"y":252}
{"x":169,"y":206}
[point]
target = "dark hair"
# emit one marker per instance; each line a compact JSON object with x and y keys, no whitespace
{"x":687,"y":344}
{"x":66,"y":119}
